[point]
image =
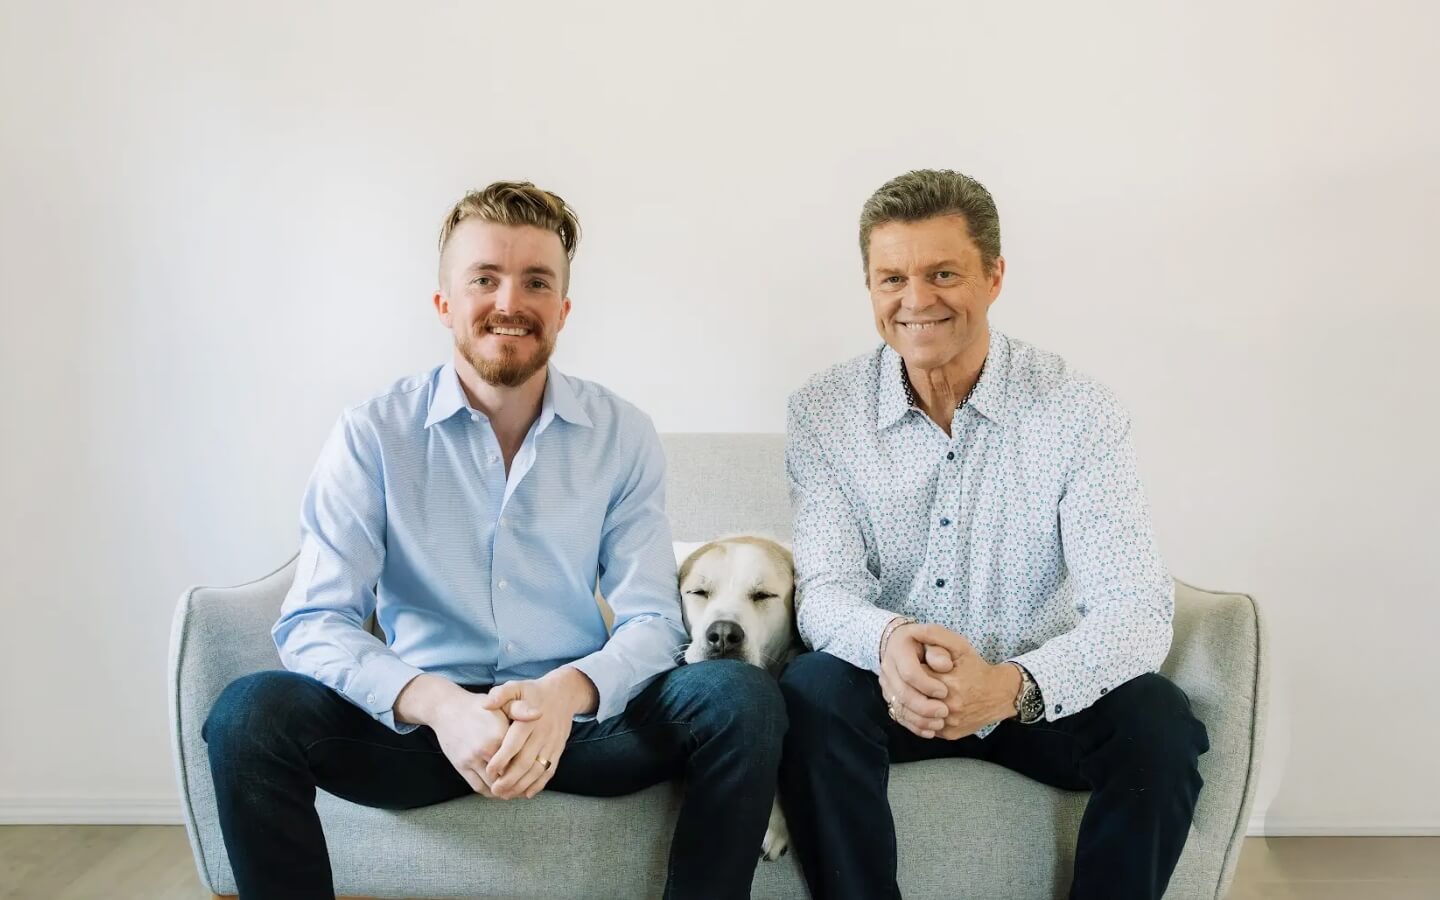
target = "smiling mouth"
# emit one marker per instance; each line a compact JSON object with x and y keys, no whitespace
{"x":919,"y":327}
{"x":508,"y":331}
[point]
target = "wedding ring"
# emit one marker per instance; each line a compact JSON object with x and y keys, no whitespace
{"x":544,"y":763}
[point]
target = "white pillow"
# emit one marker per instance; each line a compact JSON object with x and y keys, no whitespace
{"x":685,"y":548}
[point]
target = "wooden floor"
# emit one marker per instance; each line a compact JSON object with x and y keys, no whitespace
{"x":119,"y":862}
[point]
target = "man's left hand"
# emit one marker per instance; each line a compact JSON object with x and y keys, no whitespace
{"x":542,"y":712}
{"x":979,"y":693}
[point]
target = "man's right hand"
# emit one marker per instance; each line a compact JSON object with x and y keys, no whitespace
{"x":469,"y":733}
{"x":915,"y":696}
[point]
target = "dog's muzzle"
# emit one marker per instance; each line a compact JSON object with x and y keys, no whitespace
{"x":724,"y":640}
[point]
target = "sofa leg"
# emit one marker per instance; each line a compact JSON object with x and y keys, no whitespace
{"x":234,"y":897}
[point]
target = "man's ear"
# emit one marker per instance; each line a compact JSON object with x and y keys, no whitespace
{"x":997,"y":277}
{"x":442,"y":308}
{"x":564,"y":312}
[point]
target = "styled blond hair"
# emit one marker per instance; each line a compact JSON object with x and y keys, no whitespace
{"x":516,"y":203}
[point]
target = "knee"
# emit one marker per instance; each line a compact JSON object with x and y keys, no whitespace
{"x":743,"y":705}
{"x":818,"y":687}
{"x":256,"y":710}
{"x":1155,"y":730}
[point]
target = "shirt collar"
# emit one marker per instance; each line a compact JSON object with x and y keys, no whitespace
{"x":448,"y":398}
{"x":559,"y":399}
{"x":894,"y":401}
{"x":988,"y":397}
{"x":991,"y":391}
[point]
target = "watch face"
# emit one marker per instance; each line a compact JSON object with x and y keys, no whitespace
{"x":1030,"y":708}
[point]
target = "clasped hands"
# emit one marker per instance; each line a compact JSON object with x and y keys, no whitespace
{"x":506,"y":743}
{"x":936,"y":685}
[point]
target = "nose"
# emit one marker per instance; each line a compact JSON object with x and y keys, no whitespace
{"x":507,"y":297}
{"x":723,"y":636}
{"x":916,"y":297}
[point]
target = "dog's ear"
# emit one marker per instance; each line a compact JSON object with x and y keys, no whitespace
{"x":789,"y":558}
{"x":694,"y":558}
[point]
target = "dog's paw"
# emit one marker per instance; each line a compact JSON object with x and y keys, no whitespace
{"x":777,"y":836}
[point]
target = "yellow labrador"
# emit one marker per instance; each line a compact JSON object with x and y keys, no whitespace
{"x":738,"y":598}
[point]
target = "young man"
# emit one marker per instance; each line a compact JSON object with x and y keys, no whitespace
{"x":473,"y":509}
{"x":976,"y":570}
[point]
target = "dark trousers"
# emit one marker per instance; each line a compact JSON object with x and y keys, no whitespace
{"x":1135,"y":750}
{"x":273,"y":737}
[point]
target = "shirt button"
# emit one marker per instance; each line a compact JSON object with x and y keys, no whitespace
{"x":1103,"y":690}
{"x":503,"y":584}
{"x":370,"y":699}
{"x":474,"y":417}
{"x":510,"y":647}
{"x":1059,"y":707}
{"x":944,"y":522}
{"x":939,"y":582}
{"x":493,"y":458}
{"x":950,"y":455}
{"x":504,"y":522}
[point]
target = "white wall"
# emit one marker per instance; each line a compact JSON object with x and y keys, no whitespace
{"x":217,"y":229}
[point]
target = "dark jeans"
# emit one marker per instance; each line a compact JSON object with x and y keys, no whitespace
{"x":275,"y":736}
{"x":1135,"y":749}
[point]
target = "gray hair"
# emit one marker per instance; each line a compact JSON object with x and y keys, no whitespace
{"x":928,"y":194}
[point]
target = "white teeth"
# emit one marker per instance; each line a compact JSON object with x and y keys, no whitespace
{"x":919,"y":326}
{"x":514,"y":332}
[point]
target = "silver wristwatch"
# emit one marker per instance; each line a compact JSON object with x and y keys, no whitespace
{"x":1029,"y":705}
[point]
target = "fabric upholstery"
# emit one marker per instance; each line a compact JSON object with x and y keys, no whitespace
{"x":965,"y":828}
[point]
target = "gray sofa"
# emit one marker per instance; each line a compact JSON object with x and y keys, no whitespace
{"x":966,"y":828}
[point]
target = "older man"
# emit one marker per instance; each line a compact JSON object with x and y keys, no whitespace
{"x":977,"y":573}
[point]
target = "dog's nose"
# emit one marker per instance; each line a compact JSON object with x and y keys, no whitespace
{"x":724,"y":636}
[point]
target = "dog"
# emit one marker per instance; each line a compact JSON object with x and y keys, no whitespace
{"x":738,"y":602}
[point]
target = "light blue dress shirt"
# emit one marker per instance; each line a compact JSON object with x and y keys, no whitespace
{"x":1025,"y":529}
{"x":475,"y":576}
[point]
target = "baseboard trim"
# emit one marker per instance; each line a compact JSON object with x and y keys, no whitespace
{"x":90,"y":811}
{"x":1279,"y":826}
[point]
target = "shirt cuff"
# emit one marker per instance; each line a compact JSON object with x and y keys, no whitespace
{"x":1040,"y":665}
{"x":611,"y":679}
{"x":869,"y":628}
{"x":375,"y":686}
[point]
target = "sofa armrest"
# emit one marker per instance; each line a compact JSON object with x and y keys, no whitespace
{"x":1219,"y":659}
{"x":216,"y":636}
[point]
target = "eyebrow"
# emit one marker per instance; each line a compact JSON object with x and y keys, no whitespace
{"x":944,"y":264}
{"x":495,"y":267}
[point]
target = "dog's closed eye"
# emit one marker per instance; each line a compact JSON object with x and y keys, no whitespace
{"x":760,"y":596}
{"x":698,"y":592}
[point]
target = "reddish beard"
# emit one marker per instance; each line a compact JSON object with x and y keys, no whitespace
{"x":508,"y":368}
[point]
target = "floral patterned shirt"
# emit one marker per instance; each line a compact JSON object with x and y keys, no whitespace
{"x":1026,"y":529}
